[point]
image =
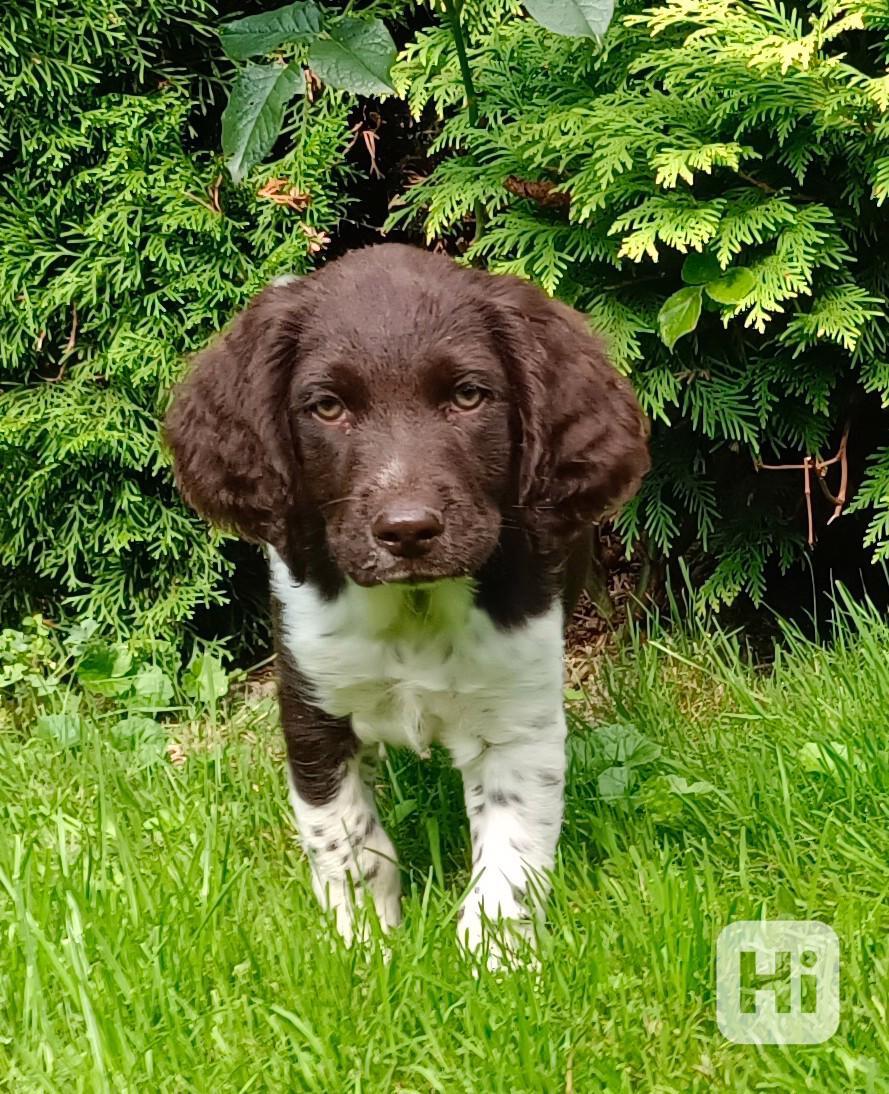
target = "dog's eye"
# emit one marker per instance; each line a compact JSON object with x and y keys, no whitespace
{"x":468,"y":397}
{"x":328,"y":409}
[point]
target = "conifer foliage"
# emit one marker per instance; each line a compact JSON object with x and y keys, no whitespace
{"x":708,"y":184}
{"x":123,"y":246}
{"x":707,"y":181}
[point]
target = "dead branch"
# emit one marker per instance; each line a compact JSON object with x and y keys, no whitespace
{"x":282,"y":193}
{"x":815,"y":464}
{"x":542,"y":191}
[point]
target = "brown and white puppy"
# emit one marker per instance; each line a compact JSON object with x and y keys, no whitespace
{"x":420,"y":447}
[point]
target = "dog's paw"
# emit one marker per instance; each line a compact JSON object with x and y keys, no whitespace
{"x":495,"y":923}
{"x":372,"y":878}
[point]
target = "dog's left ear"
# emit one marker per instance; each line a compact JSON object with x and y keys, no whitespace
{"x":227,"y":426}
{"x":584,"y":437}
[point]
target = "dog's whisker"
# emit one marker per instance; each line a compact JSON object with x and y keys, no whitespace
{"x":339,"y":501}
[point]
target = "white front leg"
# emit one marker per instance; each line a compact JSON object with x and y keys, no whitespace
{"x":349,"y":852}
{"x":514,"y":799}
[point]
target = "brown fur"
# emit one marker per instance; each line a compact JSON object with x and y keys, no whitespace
{"x":557,"y":444}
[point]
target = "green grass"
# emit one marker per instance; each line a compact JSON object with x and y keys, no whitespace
{"x":159,"y":933}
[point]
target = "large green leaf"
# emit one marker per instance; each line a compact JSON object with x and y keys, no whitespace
{"x":573,"y":18}
{"x":678,"y":784}
{"x":266,"y":31}
{"x":356,"y":57}
{"x":615,"y":782}
{"x":828,"y":759}
{"x":732,"y":287}
{"x":680,"y":314}
{"x":255,"y":112}
{"x":624,"y":744}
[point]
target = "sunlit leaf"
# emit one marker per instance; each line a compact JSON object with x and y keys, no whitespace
{"x":152,"y":686}
{"x":679,"y":314}
{"x":573,"y":18}
{"x":732,"y":287}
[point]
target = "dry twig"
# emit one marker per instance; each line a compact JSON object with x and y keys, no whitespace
{"x":282,"y":193}
{"x":815,"y":464}
{"x":541,"y":191}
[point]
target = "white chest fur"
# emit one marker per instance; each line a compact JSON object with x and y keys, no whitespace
{"x":412,"y":666}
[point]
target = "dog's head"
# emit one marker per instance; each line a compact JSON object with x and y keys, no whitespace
{"x":404,"y":410}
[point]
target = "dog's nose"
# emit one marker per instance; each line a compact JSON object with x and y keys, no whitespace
{"x":407,"y":531}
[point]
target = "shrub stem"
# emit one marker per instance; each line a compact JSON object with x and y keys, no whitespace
{"x":452,"y":8}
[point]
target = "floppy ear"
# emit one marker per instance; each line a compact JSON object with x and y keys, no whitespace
{"x":228,"y":426}
{"x":584,"y":439}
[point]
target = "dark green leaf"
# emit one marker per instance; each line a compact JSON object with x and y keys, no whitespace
{"x":356,"y":57}
{"x":266,"y":31}
{"x":680,"y":314}
{"x":573,"y":18}
{"x":732,"y":287}
{"x":104,"y":663}
{"x":255,"y":112}
{"x":699,"y":268}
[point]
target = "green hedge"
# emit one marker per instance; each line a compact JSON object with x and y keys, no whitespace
{"x":753,"y":134}
{"x":753,"y":137}
{"x":121,"y":250}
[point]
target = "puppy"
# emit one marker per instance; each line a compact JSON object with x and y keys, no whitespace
{"x":420,"y":448}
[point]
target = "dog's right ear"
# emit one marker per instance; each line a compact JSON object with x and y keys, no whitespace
{"x":228,"y":425}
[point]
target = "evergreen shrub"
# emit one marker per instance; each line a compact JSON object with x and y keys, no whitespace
{"x":124,"y":246}
{"x":711,"y":176}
